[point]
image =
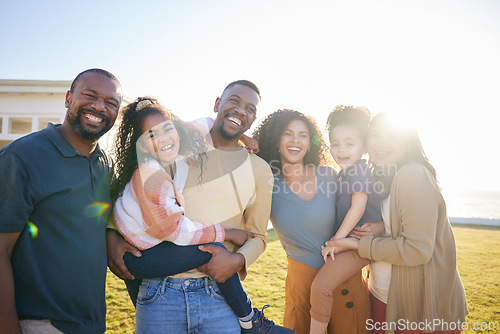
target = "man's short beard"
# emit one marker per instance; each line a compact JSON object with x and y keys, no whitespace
{"x":76,"y":124}
{"x":227,"y":135}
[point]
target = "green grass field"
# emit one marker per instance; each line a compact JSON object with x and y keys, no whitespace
{"x":478,"y":250}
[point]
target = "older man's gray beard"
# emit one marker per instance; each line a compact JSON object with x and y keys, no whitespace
{"x":76,"y":124}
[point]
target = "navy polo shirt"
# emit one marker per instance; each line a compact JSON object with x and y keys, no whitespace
{"x":357,"y":178}
{"x":59,"y":200}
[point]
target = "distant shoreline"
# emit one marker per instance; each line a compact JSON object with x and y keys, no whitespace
{"x":475,"y":221}
{"x":454,"y":221}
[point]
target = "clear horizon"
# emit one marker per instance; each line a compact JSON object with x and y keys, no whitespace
{"x":433,"y":61}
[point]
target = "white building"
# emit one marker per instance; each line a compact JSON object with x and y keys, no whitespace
{"x":28,"y":105}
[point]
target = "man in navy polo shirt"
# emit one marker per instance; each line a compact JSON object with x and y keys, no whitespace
{"x":54,"y":203}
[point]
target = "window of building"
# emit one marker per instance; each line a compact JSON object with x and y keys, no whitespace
{"x":43,"y":121}
{"x":19,"y":125}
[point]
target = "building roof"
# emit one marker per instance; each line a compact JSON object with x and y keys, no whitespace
{"x":40,"y":87}
{"x":34,"y":86}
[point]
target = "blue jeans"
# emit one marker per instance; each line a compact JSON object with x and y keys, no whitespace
{"x":178,"y":305}
{"x":167,"y":259}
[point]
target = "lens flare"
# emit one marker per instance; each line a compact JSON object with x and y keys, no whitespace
{"x":96,"y":210}
{"x":32,"y":229}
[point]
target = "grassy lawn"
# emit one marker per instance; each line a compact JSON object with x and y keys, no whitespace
{"x":478,"y":251}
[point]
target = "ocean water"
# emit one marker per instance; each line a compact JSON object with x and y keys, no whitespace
{"x":473,"y":207}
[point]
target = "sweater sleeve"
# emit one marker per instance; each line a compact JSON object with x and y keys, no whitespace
{"x":203,"y":125}
{"x":256,"y":216}
{"x":164,"y":216}
{"x":414,"y":195}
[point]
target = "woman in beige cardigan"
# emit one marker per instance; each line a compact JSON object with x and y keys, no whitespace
{"x":415,"y":286}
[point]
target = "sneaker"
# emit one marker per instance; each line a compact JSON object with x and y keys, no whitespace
{"x":262,"y":325}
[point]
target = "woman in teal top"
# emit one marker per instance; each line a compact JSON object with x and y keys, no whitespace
{"x":303,"y":215}
{"x":290,"y":213}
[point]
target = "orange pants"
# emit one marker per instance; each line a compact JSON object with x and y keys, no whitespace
{"x":351,"y":303}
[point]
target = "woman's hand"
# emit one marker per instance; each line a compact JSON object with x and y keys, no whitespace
{"x":373,"y":228}
{"x":238,"y":237}
{"x":343,"y":244}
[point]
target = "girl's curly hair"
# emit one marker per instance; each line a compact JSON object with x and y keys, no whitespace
{"x":268,"y":135}
{"x":125,"y":152}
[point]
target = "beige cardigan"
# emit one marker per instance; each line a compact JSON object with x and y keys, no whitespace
{"x":425,"y":283}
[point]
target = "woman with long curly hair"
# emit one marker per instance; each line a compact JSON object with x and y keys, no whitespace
{"x":303,"y":216}
{"x":152,"y":148}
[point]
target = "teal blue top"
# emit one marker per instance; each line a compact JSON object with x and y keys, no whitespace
{"x":304,"y":226}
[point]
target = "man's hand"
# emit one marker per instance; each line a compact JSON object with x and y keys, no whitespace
{"x":116,"y":247}
{"x":373,"y":228}
{"x":223,"y":264}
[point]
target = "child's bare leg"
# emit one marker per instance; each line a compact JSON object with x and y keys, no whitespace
{"x":329,"y":277}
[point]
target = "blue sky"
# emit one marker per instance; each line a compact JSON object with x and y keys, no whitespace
{"x":435,"y":61}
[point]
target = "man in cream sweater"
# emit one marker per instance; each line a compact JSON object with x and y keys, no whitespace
{"x":235,"y":190}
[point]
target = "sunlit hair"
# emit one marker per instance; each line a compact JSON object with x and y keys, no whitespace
{"x":269,"y":131}
{"x":408,"y":135}
{"x":247,"y":83}
{"x":357,"y":117}
{"x":130,"y":130}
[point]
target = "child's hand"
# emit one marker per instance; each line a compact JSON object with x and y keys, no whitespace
{"x":252,"y":145}
{"x":238,"y":237}
{"x":328,"y":250}
{"x":343,"y":244}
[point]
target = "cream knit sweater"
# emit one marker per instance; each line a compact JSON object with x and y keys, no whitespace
{"x":425,"y":283}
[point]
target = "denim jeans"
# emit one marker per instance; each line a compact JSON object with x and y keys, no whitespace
{"x":167,"y":259}
{"x":179,"y":305}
